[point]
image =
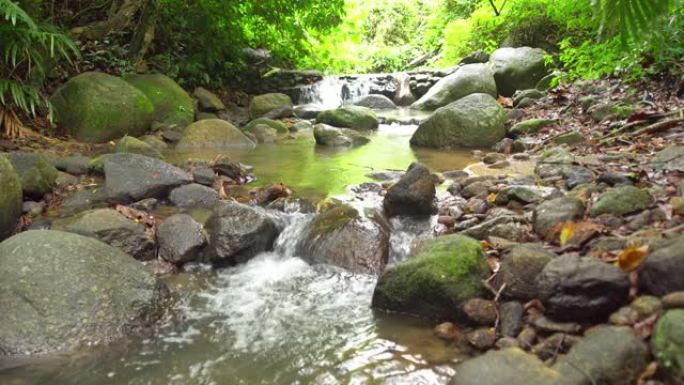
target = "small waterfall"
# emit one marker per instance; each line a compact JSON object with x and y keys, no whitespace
{"x":334,"y":91}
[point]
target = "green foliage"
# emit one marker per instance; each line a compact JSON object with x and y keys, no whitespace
{"x":28,"y":49}
{"x":631,"y":18}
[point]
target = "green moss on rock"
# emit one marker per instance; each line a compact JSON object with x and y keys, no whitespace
{"x":213,"y":134}
{"x":436,"y":280}
{"x":668,"y":344}
{"x":172,"y":105}
{"x":263,"y":104}
{"x":354,"y":117}
{"x":622,"y":200}
{"x":95,"y":107}
{"x":276,"y":124}
{"x":10,"y":198}
{"x":131,"y":145}
{"x":36,"y":174}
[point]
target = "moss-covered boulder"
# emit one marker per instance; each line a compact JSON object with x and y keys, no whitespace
{"x":667,"y":343}
{"x":476,"y":120}
{"x":95,"y":107}
{"x":276,"y":124}
{"x":10,"y":198}
{"x":131,"y":145}
{"x":172,"y":105}
{"x":61,"y":290}
{"x":622,"y":200}
{"x":517,"y":68}
{"x":213,"y":134}
{"x":435,"y":281}
{"x":354,"y":117}
{"x":327,"y":135}
{"x":274,"y":105}
{"x":468,"y":79}
{"x":35,"y":172}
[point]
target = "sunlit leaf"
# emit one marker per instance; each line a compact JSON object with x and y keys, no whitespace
{"x":630,"y":258}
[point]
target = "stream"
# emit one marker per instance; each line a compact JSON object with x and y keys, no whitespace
{"x":276,"y":319}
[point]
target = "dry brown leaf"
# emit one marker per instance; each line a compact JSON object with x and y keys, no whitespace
{"x":505,"y":102}
{"x":631,"y":257}
{"x":492,"y":197}
{"x":573,"y":235}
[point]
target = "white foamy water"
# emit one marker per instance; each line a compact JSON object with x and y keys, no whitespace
{"x":334,"y":91}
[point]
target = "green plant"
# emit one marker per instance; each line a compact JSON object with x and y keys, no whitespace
{"x":28,"y":48}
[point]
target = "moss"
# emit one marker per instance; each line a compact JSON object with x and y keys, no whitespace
{"x":213,"y":133}
{"x":277,"y":124}
{"x":621,"y":200}
{"x":354,"y":117}
{"x":131,"y":145}
{"x":10,"y":198}
{"x":436,"y":281}
{"x":333,"y":219}
{"x":263,"y":104}
{"x":530,"y":126}
{"x":668,"y":344}
{"x":172,"y":105}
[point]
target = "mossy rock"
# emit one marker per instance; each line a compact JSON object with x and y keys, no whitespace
{"x":530,"y":126}
{"x":268,"y":103}
{"x":131,"y":145}
{"x":277,"y":124}
{"x":172,"y":105}
{"x":95,"y":107}
{"x":36,"y":174}
{"x":354,"y":117}
{"x":10,"y":198}
{"x":436,"y":280}
{"x":326,"y":135}
{"x":667,"y":343}
{"x":213,"y":134}
{"x":621,"y":200}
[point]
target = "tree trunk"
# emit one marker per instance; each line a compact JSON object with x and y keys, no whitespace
{"x":121,"y":15}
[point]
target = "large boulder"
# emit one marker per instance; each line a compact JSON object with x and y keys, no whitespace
{"x":582,"y":288}
{"x":172,"y":105}
{"x":327,"y":135}
{"x":238,"y":233}
{"x":354,"y":117}
{"x":10,"y":198}
{"x":663,"y":269}
{"x":517,"y":68}
{"x":132,"y":177}
{"x":667,"y":343}
{"x":114,"y":229}
{"x":468,"y":79}
{"x":413,"y":194}
{"x":340,"y":236}
{"x":213,"y":134}
{"x":272,"y":105}
{"x":95,"y":107}
{"x":36,"y":174}
{"x":376,"y":102}
{"x":476,"y":120}
{"x":510,"y":366}
{"x":436,"y":280}
{"x":61,"y":290}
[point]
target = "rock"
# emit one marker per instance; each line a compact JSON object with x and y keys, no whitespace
{"x":667,"y":343}
{"x":328,"y":238}
{"x":576,"y":288}
{"x":511,"y":318}
{"x":476,"y":120}
{"x":446,"y":331}
{"x":148,"y":204}
{"x":669,"y":159}
{"x":673,"y":300}
{"x":114,"y":229}
{"x":10,"y":198}
{"x":525,"y":194}
{"x":301,"y":126}
{"x":621,"y":200}
{"x":376,"y":102}
{"x":482,"y":338}
{"x":606,"y":355}
{"x":75,"y":164}
{"x":605,"y":111}
{"x":354,"y":117}
{"x":33,"y":209}
{"x":279,"y":126}
{"x":207,"y":101}
{"x":292,"y":205}
{"x":131,"y":145}
{"x":517,"y":68}
{"x":264,"y":134}
{"x":205,"y":115}
{"x":172,"y":135}
{"x":62,"y":290}
{"x":661,"y":272}
{"x":172,"y":105}
{"x":180,"y":239}
{"x":519,"y":268}
{"x":307,"y":111}
{"x":575,"y":176}
{"x":475,"y":206}
{"x":504,"y":226}
{"x":154,"y":142}
{"x":327,"y":135}
{"x":203,"y":175}
{"x":82,"y":200}
{"x":477,"y":189}
{"x":213,"y":134}
{"x":95,"y":107}
{"x":527,"y":336}
{"x":132,"y":177}
{"x":547,"y":325}
{"x":510,"y":366}
{"x":677,"y":204}
{"x":530,"y":126}
{"x":466,"y":80}
{"x":275,"y":105}
{"x":533,"y":94}
{"x":550,"y":213}
{"x":493,"y":157}
{"x":435,"y":281}
{"x":194,"y":195}
{"x":412,"y":195}
{"x":238,"y":233}
{"x":549,"y":81}
{"x":478,"y":56}
{"x":570,"y":138}
{"x":481,"y":311}
{"x":227,"y":167}
{"x":36,"y":175}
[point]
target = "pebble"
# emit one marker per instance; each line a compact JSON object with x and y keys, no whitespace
{"x":507,"y":342}
{"x":483,"y":338}
{"x":549,"y":325}
{"x":493,"y":157}
{"x":511,"y":317}
{"x":446,"y":331}
{"x":553,"y":345}
{"x":481,"y":311}
{"x":625,"y":316}
{"x":475,"y":206}
{"x":674,"y":300}
{"x":526,"y":337}
{"x":446,"y":220}
{"x":500,"y":164}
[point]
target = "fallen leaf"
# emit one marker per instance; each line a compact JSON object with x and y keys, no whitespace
{"x":505,"y":102}
{"x":566,"y":233}
{"x":573,"y":235}
{"x":492,"y":197}
{"x":631,"y":257}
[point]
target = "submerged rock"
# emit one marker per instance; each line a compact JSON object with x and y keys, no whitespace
{"x":274,"y":105}
{"x":340,"y":236}
{"x":95,"y":107}
{"x":354,"y":117}
{"x":413,"y":194}
{"x":61,"y":290}
{"x":476,"y":120}
{"x":517,"y":68}
{"x":238,"y":233}
{"x":337,"y":137}
{"x":10,"y":198}
{"x":172,"y":105}
{"x":213,"y":134}
{"x":468,"y":79}
{"x":435,"y":281}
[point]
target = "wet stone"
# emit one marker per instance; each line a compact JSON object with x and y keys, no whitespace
{"x":481,"y":311}
{"x":548,"y":325}
{"x":482,"y":339}
{"x":446,"y":331}
{"x":674,"y":300}
{"x":511,"y":317}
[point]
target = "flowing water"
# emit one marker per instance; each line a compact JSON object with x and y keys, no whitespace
{"x":276,"y":319}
